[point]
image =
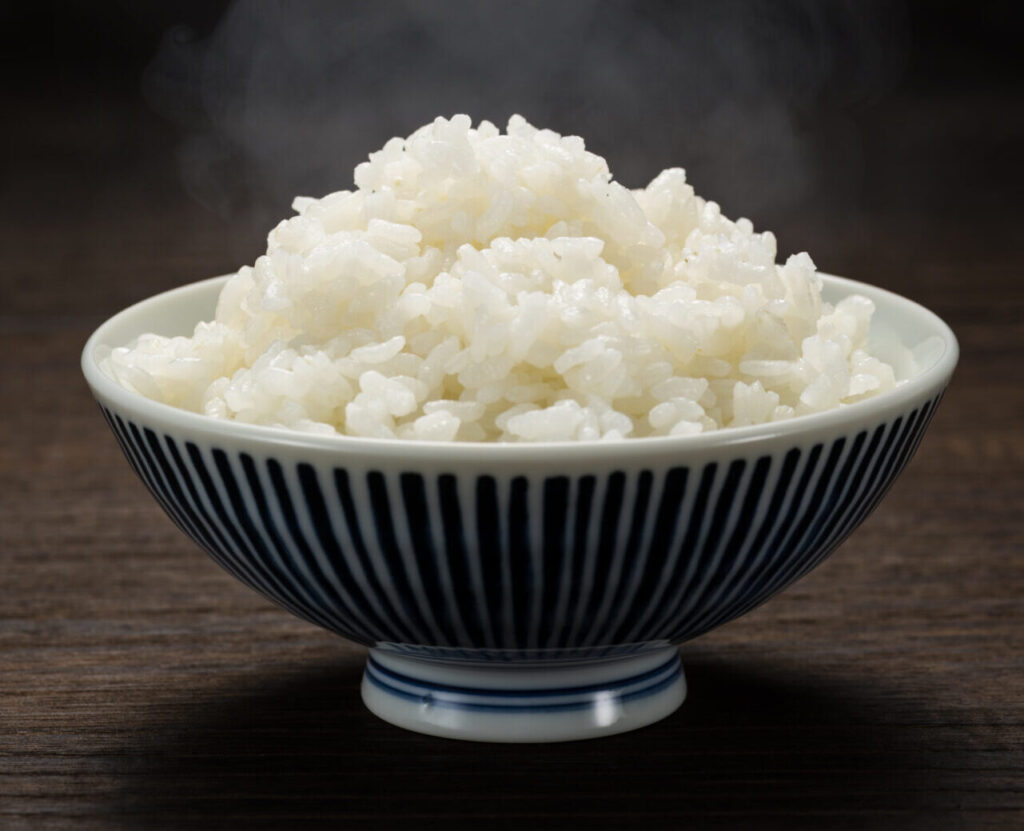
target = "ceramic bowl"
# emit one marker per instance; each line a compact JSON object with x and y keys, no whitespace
{"x":516,"y":592}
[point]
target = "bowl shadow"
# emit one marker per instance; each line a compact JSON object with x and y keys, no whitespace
{"x":757,"y":744}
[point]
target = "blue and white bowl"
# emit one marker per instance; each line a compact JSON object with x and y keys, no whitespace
{"x":523,"y":592}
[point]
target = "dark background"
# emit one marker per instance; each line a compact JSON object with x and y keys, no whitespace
{"x":146,"y":145}
{"x":818,"y":120}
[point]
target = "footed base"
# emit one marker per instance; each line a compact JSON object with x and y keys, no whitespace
{"x":537,"y":702}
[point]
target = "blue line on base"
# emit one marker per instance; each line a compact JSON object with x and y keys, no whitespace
{"x":526,"y":693}
{"x":428,"y":697}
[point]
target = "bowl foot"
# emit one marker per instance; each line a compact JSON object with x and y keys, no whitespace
{"x":536,"y":702}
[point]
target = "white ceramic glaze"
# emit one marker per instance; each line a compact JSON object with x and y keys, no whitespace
{"x":520,"y":702}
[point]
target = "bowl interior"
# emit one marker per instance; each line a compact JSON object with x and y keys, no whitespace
{"x":174,"y":312}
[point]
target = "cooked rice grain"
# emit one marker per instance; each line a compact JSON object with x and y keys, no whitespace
{"x":480,"y":286}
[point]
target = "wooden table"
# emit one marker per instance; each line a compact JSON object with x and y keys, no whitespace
{"x":141,"y":687}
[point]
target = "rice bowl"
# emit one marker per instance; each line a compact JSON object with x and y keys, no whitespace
{"x":518,"y":541}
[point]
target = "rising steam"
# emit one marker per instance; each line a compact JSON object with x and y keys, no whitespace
{"x":286,"y":98}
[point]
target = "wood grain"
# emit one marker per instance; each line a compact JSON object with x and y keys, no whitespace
{"x":141,"y":687}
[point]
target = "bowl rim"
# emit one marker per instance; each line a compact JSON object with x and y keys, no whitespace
{"x":911,"y":391}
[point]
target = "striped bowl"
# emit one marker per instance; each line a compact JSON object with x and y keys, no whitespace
{"x":524,"y":592}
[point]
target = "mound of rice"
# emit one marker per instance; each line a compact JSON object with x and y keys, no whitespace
{"x":480,"y":286}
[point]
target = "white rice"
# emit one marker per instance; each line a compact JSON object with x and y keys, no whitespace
{"x":480,"y":286}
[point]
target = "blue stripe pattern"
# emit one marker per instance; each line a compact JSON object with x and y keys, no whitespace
{"x":521,"y":565}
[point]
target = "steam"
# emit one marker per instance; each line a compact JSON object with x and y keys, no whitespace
{"x":283,"y":99}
